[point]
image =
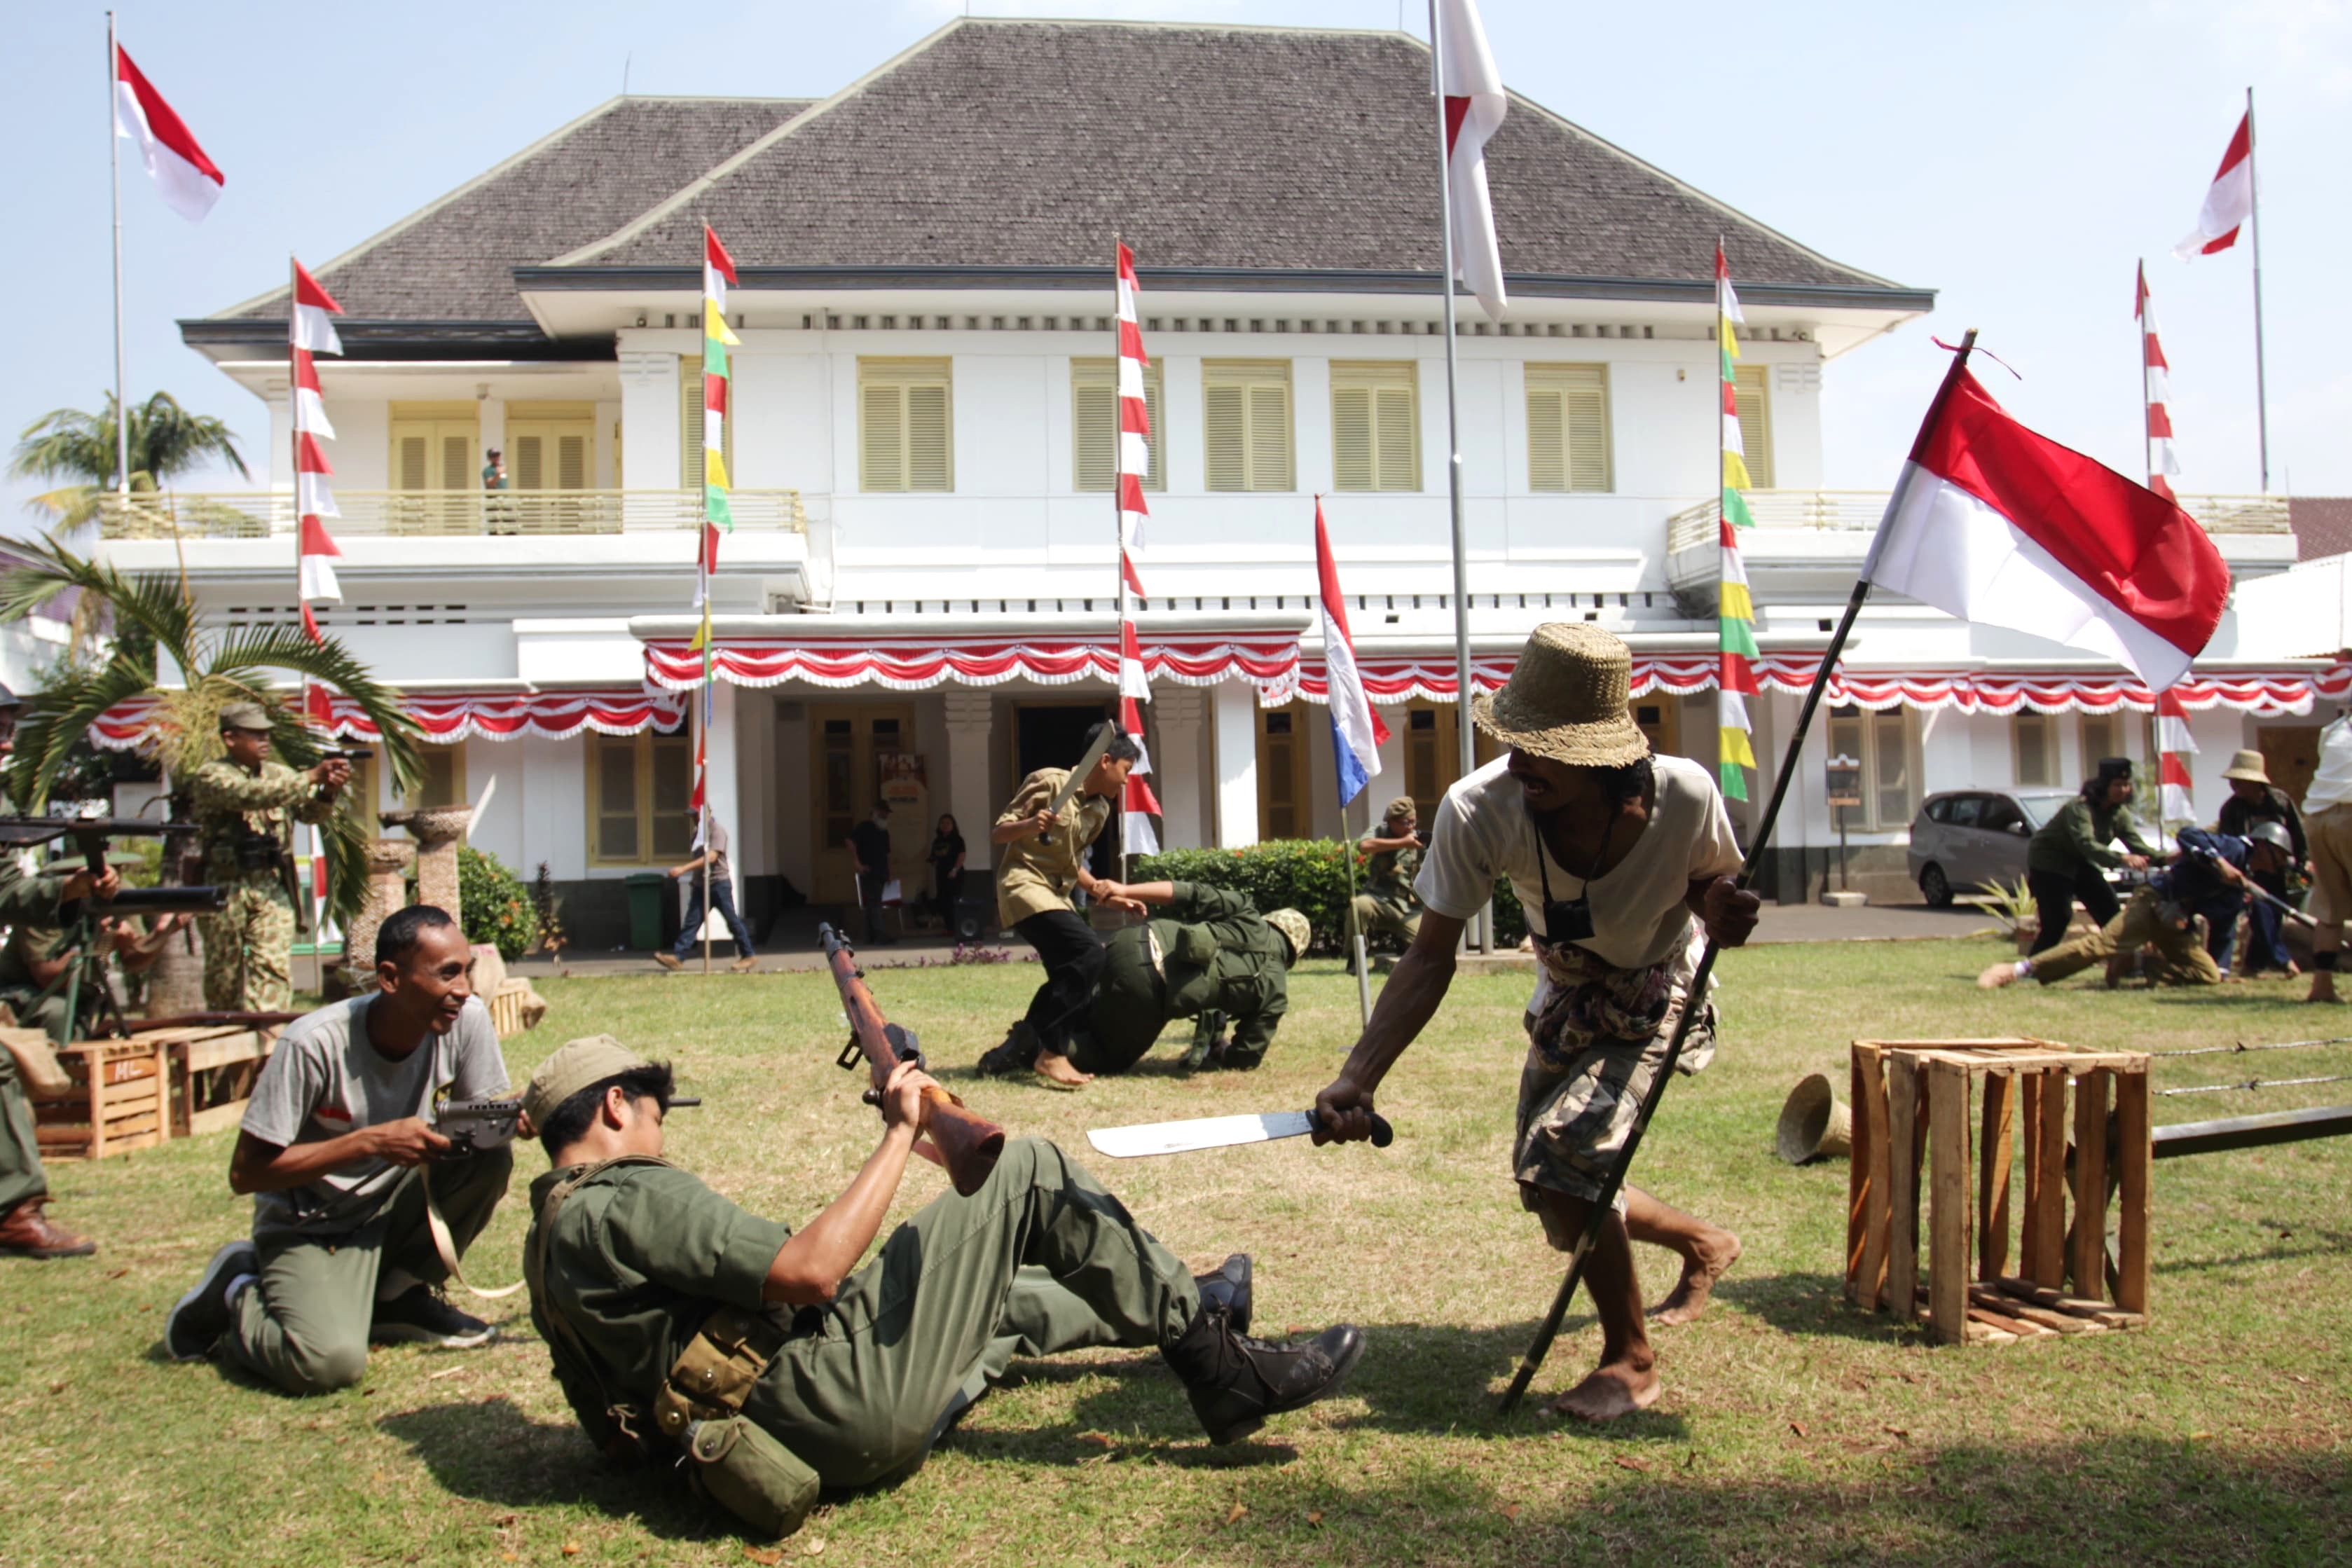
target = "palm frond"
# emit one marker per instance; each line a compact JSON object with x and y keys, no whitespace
{"x":243,"y":653}
{"x":153,"y":603}
{"x":165,"y":440}
{"x":56,"y":719}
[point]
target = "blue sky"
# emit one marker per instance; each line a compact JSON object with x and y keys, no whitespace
{"x":2018,"y":158}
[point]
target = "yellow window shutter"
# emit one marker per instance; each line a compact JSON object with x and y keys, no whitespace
{"x":689,"y":422}
{"x":1547,"y":451}
{"x":1094,"y":423}
{"x":882,"y":441}
{"x":1755,"y":423}
{"x":928,"y":450}
{"x":1400,"y":450}
{"x":1155,"y":474}
{"x":1568,"y":428}
{"x":1269,"y":436}
{"x":530,"y":471}
{"x":458,"y":470}
{"x":1224,"y":436}
{"x":571,"y":462}
{"x":410,"y":466}
{"x":1351,"y":438}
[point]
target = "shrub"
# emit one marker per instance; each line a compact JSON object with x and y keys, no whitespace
{"x":1303,"y":873}
{"x":497,"y":907}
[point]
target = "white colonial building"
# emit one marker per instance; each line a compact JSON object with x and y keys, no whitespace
{"x":923,"y":561}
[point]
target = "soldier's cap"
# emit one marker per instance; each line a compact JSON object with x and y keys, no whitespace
{"x":244,"y":716}
{"x":1294,"y":930}
{"x":1402,"y":809}
{"x":576,"y":1065}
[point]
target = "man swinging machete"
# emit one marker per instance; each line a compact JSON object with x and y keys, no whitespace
{"x":1614,"y":854}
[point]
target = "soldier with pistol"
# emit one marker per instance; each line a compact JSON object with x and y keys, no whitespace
{"x":244,"y":806}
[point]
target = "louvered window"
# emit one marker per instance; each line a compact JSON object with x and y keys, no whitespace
{"x":1375,"y":431}
{"x":1568,"y":428}
{"x":1094,"y":425}
{"x":905,"y":414}
{"x":690,"y":467}
{"x":550,"y":446}
{"x":1755,"y":423}
{"x":1245,"y":424}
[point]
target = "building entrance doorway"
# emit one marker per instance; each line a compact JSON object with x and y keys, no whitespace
{"x":1053,"y":735}
{"x":845,"y":781}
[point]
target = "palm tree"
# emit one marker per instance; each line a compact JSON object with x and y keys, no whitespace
{"x":216,"y":666}
{"x":166,"y":441}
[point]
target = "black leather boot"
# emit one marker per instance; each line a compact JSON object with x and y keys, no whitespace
{"x":1235,"y":1383}
{"x":1228,"y":1290}
{"x":1015,"y":1054}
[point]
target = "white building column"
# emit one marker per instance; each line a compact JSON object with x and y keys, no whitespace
{"x":726,"y":794}
{"x":969,"y":723}
{"x":1180,"y":762}
{"x":1391,"y":783}
{"x":649,"y":415}
{"x":1233,"y":705}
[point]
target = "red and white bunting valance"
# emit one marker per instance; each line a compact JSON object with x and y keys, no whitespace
{"x":1269,"y":659}
{"x":1392,"y":679}
{"x":446,"y":717}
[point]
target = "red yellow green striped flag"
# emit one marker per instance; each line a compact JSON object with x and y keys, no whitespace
{"x":1735,"y":608}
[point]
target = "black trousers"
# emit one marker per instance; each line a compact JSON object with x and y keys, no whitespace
{"x":950,"y":894}
{"x":2055,"y":893}
{"x":1074,"y":958}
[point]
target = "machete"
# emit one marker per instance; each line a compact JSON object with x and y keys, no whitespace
{"x":1214,"y":1133}
{"x":1080,"y":774}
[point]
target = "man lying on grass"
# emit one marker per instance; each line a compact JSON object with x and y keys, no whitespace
{"x":1614,"y":855}
{"x":684,"y":1328}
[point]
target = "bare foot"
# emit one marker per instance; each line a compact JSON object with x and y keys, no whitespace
{"x":1997,"y":976}
{"x":1617,"y":1389}
{"x":2323,"y":991}
{"x":1709,"y":1261}
{"x":1057,"y":1073}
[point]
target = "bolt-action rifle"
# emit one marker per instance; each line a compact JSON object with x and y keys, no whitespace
{"x":967,"y":1144}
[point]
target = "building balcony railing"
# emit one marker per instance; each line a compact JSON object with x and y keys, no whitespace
{"x":259,"y":514}
{"x":1859,"y":511}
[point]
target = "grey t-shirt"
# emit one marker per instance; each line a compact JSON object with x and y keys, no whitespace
{"x":326,"y":1078}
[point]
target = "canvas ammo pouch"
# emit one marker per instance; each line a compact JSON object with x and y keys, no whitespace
{"x":736,"y":1462}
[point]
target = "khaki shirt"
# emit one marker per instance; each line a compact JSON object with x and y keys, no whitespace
{"x":1035,"y":877}
{"x":228,"y":798}
{"x":640,"y":1255}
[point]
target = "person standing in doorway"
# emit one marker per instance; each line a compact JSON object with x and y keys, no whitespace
{"x":2065,"y":860}
{"x":722,"y":897}
{"x":869,"y":851}
{"x":946,"y":871}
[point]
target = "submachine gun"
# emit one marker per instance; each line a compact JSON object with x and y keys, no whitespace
{"x":967,"y":1144}
{"x":90,"y":835}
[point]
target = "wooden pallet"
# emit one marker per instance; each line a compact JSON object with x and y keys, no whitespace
{"x":121,"y":1100}
{"x":506,"y":1008}
{"x":213,"y":1072}
{"x":1913,"y":1104}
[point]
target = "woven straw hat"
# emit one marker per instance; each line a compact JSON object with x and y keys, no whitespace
{"x":1294,"y":930}
{"x":1567,"y":700}
{"x":2247,"y":766}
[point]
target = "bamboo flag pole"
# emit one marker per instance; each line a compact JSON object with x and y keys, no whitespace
{"x":1694,"y":1000}
{"x":114,"y":164}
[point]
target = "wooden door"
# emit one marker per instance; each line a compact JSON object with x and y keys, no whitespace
{"x":1285,"y":806}
{"x":551,"y":447}
{"x":435,"y":458}
{"x":2291,"y":755}
{"x":845,"y":782}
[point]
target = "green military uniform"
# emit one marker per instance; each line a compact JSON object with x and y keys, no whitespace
{"x":2078,"y":835}
{"x":2174,"y":955}
{"x":28,"y":998}
{"x":249,"y":945}
{"x":1041,"y":1259}
{"x":1210,"y":952}
{"x":22,"y":900}
{"x":1389,"y":906}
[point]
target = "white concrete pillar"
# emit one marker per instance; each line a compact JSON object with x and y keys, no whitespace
{"x":649,"y":424}
{"x":1181,"y":761}
{"x":1391,"y":782}
{"x":1233,"y":704}
{"x":970,"y":715}
{"x":726,"y":794}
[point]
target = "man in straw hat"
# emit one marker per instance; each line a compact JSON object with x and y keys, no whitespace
{"x":2254,"y":799}
{"x":1617,"y":857}
{"x":674,"y":1315}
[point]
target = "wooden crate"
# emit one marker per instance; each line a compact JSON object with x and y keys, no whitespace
{"x":121,"y":1100}
{"x":506,"y":1008}
{"x":1914,"y":1108}
{"x":213,"y":1072}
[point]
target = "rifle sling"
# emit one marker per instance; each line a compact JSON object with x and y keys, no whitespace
{"x":446,"y":1245}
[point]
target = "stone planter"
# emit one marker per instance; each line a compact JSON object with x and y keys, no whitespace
{"x":387,"y":891}
{"x":436,"y":830}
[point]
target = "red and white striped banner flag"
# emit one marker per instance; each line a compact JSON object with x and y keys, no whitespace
{"x":1134,"y":425}
{"x":188,"y":182}
{"x":2229,"y":201}
{"x":308,"y":331}
{"x":2175,"y":745}
{"x":2161,"y":461}
{"x":1474,"y":106}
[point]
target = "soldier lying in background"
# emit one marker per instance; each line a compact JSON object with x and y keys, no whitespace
{"x":1211,"y":954}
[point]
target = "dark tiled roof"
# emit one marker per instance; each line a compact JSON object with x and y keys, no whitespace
{"x":453,"y":261}
{"x":1029,"y":143}
{"x":2322,"y":524}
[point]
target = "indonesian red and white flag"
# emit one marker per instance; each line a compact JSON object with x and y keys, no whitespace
{"x":1357,"y":733}
{"x":1997,"y":525}
{"x":189,"y":181}
{"x":2175,"y":745}
{"x":1134,"y":454}
{"x":1138,"y":806}
{"x":312,"y":306}
{"x":1474,"y":106}
{"x":310,"y":397}
{"x":2229,"y":202}
{"x":2162,"y":462}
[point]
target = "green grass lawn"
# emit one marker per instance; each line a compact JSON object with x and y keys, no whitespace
{"x":1793,"y":1429}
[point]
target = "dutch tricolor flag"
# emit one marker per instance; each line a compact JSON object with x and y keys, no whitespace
{"x":1357,"y":733}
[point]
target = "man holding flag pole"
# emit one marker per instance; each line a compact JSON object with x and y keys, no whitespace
{"x":1622,"y":859}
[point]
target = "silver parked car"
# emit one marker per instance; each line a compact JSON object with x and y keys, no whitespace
{"x":1965,"y":839}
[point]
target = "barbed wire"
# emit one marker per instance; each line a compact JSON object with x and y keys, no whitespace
{"x":2256,"y":1083}
{"x":2241,"y":1045}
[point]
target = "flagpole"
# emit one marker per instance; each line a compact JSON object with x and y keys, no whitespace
{"x":1603,"y":1206}
{"x":114,"y":165}
{"x":1465,"y":753}
{"x":2147,"y":420}
{"x":1355,"y":927}
{"x":1117,"y":545}
{"x":2262,"y":393}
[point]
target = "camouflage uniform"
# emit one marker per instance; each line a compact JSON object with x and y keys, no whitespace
{"x":249,"y":945}
{"x":1388,"y":905}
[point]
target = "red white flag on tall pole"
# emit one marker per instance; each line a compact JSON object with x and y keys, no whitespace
{"x":1994,"y":524}
{"x":1134,"y":433}
{"x":2175,"y":745}
{"x":1474,"y":106}
{"x":2161,"y":461}
{"x":189,"y":181}
{"x":308,"y":332}
{"x":2229,"y":201}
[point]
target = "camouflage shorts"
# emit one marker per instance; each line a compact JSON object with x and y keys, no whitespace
{"x":1577,"y":1109}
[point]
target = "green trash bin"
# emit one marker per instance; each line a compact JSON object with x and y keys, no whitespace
{"x":646,"y":909}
